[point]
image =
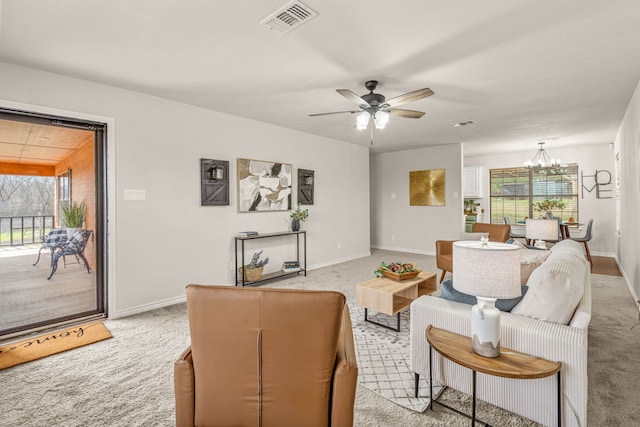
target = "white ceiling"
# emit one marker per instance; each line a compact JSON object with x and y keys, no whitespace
{"x":522,"y":69}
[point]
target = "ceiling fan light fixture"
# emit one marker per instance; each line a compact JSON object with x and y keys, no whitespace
{"x":377,"y":107}
{"x":380,"y":119}
{"x":362,"y":121}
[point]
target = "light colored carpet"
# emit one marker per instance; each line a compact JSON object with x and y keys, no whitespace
{"x":128,"y":380}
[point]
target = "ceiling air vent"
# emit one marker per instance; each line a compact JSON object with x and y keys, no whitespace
{"x":460,"y":124}
{"x":288,"y":17}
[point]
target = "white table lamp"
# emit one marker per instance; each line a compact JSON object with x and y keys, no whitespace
{"x":541,"y":230}
{"x":488,"y":272}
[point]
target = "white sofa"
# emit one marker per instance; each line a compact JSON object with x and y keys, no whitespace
{"x":565,"y":268}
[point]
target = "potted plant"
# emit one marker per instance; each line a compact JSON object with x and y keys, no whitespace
{"x":548,"y":204}
{"x":298,"y":215}
{"x":74,"y":215}
{"x":469,"y":205}
{"x":253,"y":270}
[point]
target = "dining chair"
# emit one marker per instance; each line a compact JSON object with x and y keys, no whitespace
{"x":561,"y":233}
{"x":585,"y":239}
{"x":542,"y":230}
{"x":506,"y":220}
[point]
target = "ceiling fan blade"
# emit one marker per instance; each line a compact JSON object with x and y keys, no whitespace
{"x":407,"y":114}
{"x":335,"y":112}
{"x":408,"y":97}
{"x":352,"y":97}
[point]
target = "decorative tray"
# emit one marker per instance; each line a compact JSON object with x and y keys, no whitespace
{"x":397,"y":270}
{"x":399,"y":276}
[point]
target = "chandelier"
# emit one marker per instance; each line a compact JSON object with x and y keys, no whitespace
{"x":544,"y":163}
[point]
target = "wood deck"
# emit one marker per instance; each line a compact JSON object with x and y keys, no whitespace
{"x":27,"y":297}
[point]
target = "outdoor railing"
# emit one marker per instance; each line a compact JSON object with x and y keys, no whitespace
{"x":24,"y":230}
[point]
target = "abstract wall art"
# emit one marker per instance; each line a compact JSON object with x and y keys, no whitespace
{"x":426,"y":188}
{"x":263,"y":186}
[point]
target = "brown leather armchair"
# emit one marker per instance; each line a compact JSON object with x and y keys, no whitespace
{"x":266,"y":357}
{"x":444,"y":248}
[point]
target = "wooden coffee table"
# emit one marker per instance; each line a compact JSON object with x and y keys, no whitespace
{"x":390,"y":297}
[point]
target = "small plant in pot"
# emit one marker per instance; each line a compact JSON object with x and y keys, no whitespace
{"x":253,"y":270}
{"x":74,"y":215}
{"x":549,"y":204}
{"x":298,"y":215}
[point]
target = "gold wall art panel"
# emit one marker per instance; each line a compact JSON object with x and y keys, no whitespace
{"x":426,"y":188}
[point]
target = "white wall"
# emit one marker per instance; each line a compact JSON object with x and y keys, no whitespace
{"x":627,"y":145}
{"x":397,"y":226}
{"x":159,"y":245}
{"x":589,"y":158}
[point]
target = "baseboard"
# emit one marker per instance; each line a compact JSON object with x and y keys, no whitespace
{"x":628,"y":283}
{"x":406,"y":250}
{"x":339,"y":261}
{"x":118,"y":314}
{"x":605,"y":254}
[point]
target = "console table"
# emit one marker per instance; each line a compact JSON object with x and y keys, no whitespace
{"x":300,"y":238}
{"x":510,"y":364}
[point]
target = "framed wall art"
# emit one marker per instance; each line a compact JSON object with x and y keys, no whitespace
{"x":305,"y":186}
{"x":426,"y":188}
{"x":214,"y":182}
{"x":263,"y":186}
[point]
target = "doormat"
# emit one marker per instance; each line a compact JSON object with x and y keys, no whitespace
{"x":54,"y":342}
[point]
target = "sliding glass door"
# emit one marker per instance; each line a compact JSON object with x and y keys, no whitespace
{"x":52,"y":268}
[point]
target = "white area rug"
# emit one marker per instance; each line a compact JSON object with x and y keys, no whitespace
{"x":384,"y":358}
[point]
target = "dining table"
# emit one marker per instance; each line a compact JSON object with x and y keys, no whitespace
{"x":564,"y":227}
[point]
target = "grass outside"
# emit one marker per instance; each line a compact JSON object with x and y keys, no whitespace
{"x":22,"y":235}
{"x":518,"y":210}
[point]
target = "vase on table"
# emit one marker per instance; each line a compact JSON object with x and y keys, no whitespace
{"x":295,"y":225}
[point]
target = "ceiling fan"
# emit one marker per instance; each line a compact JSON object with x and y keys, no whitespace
{"x":376,"y":106}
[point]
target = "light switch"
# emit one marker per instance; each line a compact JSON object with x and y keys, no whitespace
{"x":393,"y":195}
{"x":135,"y":194}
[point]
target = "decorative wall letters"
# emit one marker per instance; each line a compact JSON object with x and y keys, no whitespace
{"x":599,"y":180}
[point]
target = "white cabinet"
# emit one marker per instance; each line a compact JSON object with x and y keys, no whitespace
{"x":472,"y":182}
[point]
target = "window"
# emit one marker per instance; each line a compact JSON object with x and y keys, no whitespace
{"x":514,"y":191}
{"x":63,"y":193}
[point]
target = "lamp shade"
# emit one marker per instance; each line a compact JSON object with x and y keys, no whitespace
{"x":362,"y":121}
{"x":380,"y":119}
{"x":487,"y":271}
{"x":542,"y":229}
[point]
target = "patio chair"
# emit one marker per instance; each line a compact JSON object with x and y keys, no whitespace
{"x":56,"y":237}
{"x":74,"y":246}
